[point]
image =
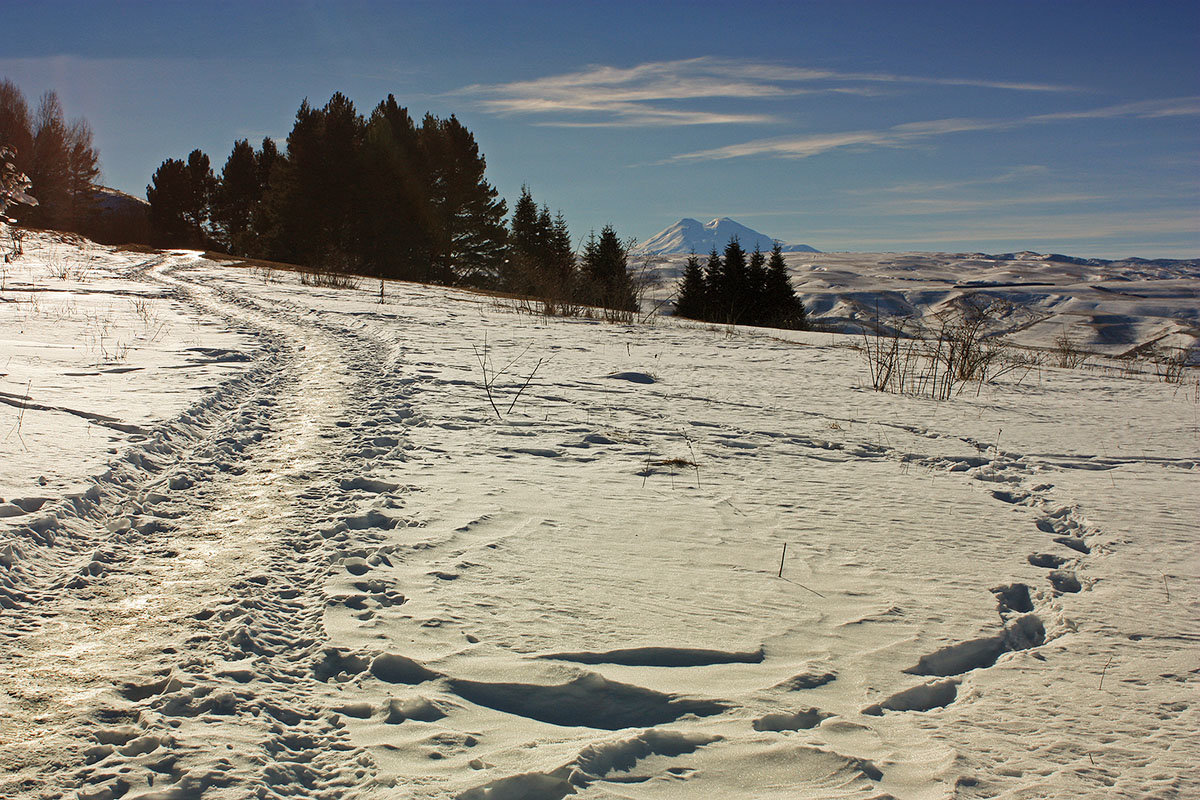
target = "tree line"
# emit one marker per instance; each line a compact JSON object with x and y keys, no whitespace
{"x":378,"y":195}
{"x":383,"y":196}
{"x":56,"y":154}
{"x":739,"y":290}
{"x":541,"y":262}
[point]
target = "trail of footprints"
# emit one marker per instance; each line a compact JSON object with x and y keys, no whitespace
{"x":1020,"y":607}
{"x":247,"y":674}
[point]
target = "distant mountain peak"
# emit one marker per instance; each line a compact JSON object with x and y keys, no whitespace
{"x":689,"y":235}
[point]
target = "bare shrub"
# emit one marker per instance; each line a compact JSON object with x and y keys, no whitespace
{"x":903,"y":357}
{"x":330,"y":280}
{"x":491,"y":375}
{"x":1171,"y":365}
{"x":1067,"y":353}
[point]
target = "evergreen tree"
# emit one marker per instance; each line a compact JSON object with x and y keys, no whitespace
{"x":756,"y":288}
{"x":307,"y":204}
{"x":606,"y":270}
{"x":469,"y":234}
{"x":265,"y":160}
{"x":540,"y":260}
{"x":59,"y":157}
{"x":397,"y":216}
{"x":561,"y":256}
{"x":180,"y":196}
{"x":202,"y":184}
{"x":237,"y":196}
{"x":783,"y":308}
{"x":525,"y":246}
{"x":380,"y":196}
{"x":545,"y":226}
{"x":14,"y":187}
{"x":728,"y":303}
{"x":170,"y":196}
{"x":48,"y":168}
{"x":690,"y":297}
{"x":83,"y":169}
{"x":340,"y":181}
{"x":714,"y":281}
{"x":16,"y":125}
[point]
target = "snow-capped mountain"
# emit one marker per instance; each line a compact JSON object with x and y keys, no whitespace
{"x":689,"y":235}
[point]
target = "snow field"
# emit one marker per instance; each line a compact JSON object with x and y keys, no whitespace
{"x":338,"y":573}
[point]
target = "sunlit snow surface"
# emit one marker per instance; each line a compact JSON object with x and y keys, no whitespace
{"x":264,"y":539}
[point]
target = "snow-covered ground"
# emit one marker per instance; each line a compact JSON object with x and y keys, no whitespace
{"x":1130,"y":307}
{"x":263,"y":539}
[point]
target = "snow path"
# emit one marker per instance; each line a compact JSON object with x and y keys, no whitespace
{"x":230,"y":515}
{"x":339,"y":574}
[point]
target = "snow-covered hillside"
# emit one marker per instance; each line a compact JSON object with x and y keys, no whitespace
{"x":690,"y":236}
{"x":1130,"y":306}
{"x":263,"y":539}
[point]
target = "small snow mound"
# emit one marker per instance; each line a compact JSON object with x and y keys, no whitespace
{"x":598,"y":760}
{"x":525,"y":786}
{"x":396,"y":711}
{"x":925,"y":697}
{"x":662,"y":657}
{"x":394,"y":668}
{"x":589,"y":701}
{"x":632,"y":377}
{"x":800,"y":720}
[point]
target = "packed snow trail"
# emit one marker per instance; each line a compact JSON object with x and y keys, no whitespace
{"x":197,"y":586}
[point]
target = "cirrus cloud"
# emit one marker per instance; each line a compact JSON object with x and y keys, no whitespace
{"x":913,"y":132}
{"x":642,"y":95}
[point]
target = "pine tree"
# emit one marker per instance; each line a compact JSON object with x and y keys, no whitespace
{"x":180,"y":196}
{"x":170,"y":195}
{"x":541,"y":262}
{"x":83,"y":169}
{"x":714,"y":283}
{"x":756,"y":289}
{"x":561,"y":257}
{"x":14,"y":185}
{"x":203,"y":185}
{"x":397,"y":216}
{"x":525,"y":245}
{"x":469,"y":235}
{"x":783,"y":308}
{"x":545,"y":227}
{"x":690,"y":299}
{"x":294,"y":227}
{"x":729,"y":304}
{"x":606,"y":271}
{"x":238,"y":193}
{"x":48,"y":169}
{"x":16,"y":125}
{"x":265,"y":160}
{"x":59,"y":158}
{"x":340,"y":181}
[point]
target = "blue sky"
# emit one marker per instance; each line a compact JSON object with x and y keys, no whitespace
{"x":1055,"y":126}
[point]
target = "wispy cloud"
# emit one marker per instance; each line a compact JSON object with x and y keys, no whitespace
{"x":1090,"y":227}
{"x":1145,"y":109}
{"x":913,"y":132}
{"x":638,"y":96}
{"x":930,"y":187}
{"x":919,"y":206}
